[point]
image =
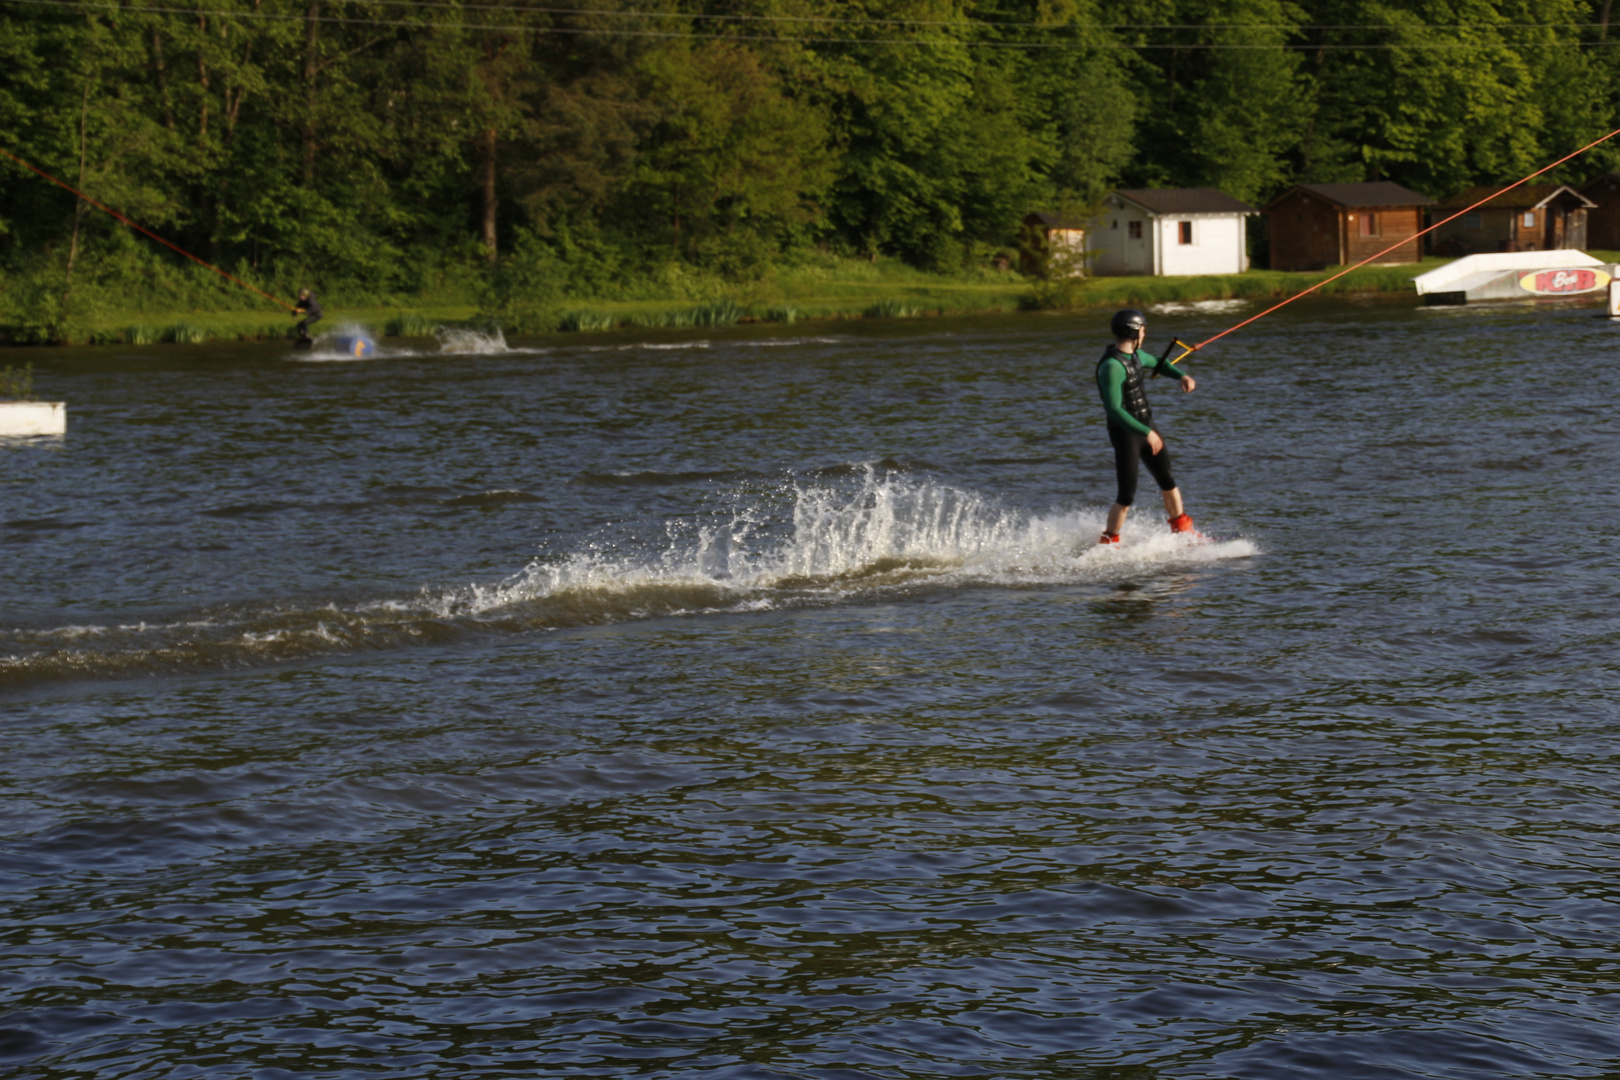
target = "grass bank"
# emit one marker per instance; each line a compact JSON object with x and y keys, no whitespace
{"x":1116,"y":292}
{"x":818,"y":288}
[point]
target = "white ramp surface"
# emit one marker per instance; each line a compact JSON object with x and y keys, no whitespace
{"x":1474,"y":270}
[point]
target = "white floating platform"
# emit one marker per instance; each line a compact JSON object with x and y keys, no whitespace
{"x":33,"y":418}
{"x":1516,"y":275}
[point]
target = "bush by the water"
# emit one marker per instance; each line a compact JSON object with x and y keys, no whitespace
{"x":722,"y":313}
{"x":17,"y":384}
{"x":186,"y":334}
{"x":892,"y":309}
{"x":587,"y":320}
{"x":410,"y":324}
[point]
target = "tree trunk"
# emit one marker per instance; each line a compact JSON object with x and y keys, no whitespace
{"x":202,"y":80}
{"x":233,"y":101}
{"x":162,"y":79}
{"x":490,"y":201}
{"x":1603,"y":21}
{"x":311,"y":40}
{"x":231,"y":111}
{"x":233,"y":98}
{"x":78,"y":203}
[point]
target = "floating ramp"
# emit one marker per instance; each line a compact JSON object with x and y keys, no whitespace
{"x":1515,"y":275}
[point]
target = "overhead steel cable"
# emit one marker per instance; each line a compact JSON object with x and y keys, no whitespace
{"x":143,"y":229}
{"x":930,"y":42}
{"x":837,"y":20}
{"x":1404,"y":240}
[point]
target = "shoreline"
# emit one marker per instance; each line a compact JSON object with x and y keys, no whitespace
{"x":790,"y":302}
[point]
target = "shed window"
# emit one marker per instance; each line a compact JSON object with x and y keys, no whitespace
{"x":1529,"y":219}
{"x":1368,"y":225}
{"x":1184,"y":229}
{"x":1471,"y":220}
{"x":1134,"y":229}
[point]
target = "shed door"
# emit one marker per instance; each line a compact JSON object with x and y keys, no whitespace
{"x":1575,"y":230}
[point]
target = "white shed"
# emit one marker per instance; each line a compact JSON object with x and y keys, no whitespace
{"x":1169,"y":231}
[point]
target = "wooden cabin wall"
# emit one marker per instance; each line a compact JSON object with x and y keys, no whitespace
{"x":1603,"y":223}
{"x":1575,"y":230}
{"x":1457,"y":238}
{"x":1531,"y":237}
{"x":1304,"y":233}
{"x":1392,"y":223}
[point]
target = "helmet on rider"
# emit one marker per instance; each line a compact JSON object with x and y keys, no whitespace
{"x":1127,"y":323}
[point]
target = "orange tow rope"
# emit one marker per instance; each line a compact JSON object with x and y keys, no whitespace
{"x":1405,"y":240}
{"x":148,"y":232}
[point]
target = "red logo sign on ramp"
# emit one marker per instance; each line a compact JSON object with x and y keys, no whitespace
{"x":1563,"y":282}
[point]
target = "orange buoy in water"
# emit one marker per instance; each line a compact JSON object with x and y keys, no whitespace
{"x":356,"y":345}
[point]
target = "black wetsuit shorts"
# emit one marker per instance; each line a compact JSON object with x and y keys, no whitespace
{"x":1130,"y":453}
{"x":311,"y":310}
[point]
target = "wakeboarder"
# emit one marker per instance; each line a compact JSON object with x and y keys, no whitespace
{"x":310,"y":308}
{"x":1121,"y":380}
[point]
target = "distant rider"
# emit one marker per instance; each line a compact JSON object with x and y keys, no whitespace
{"x":310,"y":308}
{"x":1121,"y":379}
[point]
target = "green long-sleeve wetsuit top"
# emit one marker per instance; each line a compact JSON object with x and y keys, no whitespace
{"x":1111,"y":383}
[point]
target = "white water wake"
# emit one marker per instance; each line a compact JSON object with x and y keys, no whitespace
{"x":455,"y":341}
{"x":461,"y":341}
{"x":452,"y":341}
{"x":887,"y":535}
{"x":862,"y":538}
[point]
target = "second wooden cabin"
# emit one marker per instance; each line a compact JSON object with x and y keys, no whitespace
{"x":1603,"y":218}
{"x":1313,"y":226}
{"x":1534,"y":217}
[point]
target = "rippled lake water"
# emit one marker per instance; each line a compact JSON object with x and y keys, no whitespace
{"x":757,"y":705}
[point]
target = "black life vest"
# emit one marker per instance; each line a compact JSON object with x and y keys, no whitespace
{"x":1134,"y":393}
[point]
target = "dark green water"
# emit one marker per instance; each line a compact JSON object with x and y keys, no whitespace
{"x":746,"y":706}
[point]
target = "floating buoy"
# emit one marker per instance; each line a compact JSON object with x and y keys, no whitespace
{"x":356,"y":345}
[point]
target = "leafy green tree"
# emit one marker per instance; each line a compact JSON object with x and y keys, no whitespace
{"x":941,"y":143}
{"x":727,"y":160}
{"x":1433,"y":95}
{"x":1226,"y":98}
{"x":547,"y":151}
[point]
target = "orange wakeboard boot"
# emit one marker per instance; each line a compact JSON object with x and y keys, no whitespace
{"x":1109,"y":539}
{"x":1184,"y":524}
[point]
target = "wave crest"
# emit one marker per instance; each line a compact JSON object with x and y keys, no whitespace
{"x":871,"y":536}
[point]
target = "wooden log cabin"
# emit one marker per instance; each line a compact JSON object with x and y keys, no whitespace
{"x":1313,"y":226}
{"x":1603,"y":219}
{"x":1535,"y":217}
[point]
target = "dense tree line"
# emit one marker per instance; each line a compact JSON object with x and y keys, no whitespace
{"x":373,"y":141}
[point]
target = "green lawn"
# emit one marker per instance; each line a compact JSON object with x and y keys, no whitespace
{"x":830,"y":288}
{"x":1126,"y":291}
{"x":192,"y":327}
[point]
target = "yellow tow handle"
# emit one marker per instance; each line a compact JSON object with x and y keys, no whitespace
{"x":1174,"y":342}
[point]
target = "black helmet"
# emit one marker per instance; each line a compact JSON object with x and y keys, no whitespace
{"x":1127,"y":323}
